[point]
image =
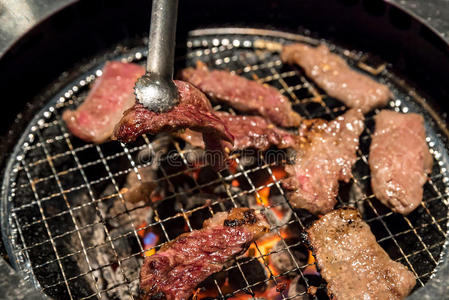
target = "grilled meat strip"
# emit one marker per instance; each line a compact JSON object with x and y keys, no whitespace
{"x":325,"y":155}
{"x":249,"y":132}
{"x":332,"y":73}
{"x":111,"y":95}
{"x":351,"y":261}
{"x":243,"y":94}
{"x":178,"y":267}
{"x":193,"y":111}
{"x":399,"y":160}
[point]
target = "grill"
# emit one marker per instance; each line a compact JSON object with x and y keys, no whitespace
{"x":74,"y":235}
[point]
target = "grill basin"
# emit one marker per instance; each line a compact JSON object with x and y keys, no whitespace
{"x":71,"y":231}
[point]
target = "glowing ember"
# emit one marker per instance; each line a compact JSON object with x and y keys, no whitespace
{"x":311,"y":267}
{"x":278,"y":172}
{"x":141,"y":229}
{"x":195,"y":173}
{"x":263,"y":195}
{"x":278,"y":212}
{"x":149,"y":241}
{"x":265,"y":246}
{"x":232,"y":166}
{"x":155,"y":197}
{"x":272,"y":291}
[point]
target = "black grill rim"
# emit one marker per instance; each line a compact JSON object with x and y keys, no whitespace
{"x":437,"y":290}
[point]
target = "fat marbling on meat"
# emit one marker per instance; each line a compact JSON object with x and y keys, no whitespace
{"x":325,"y":154}
{"x":333,"y":74}
{"x":353,"y":264}
{"x":399,"y":160}
{"x":248,"y":132}
{"x":194,"y":111}
{"x":243,"y":94}
{"x":178,"y":267}
{"x":110,"y":96}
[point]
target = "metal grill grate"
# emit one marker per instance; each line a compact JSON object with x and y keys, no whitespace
{"x":60,"y":187}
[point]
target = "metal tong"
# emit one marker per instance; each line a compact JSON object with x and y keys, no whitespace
{"x":156,"y":90}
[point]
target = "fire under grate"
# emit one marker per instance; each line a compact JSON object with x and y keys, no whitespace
{"x":75,"y":236}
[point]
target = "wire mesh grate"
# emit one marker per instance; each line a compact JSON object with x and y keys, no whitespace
{"x":73,"y":231}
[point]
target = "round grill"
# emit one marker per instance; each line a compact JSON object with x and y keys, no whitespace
{"x":71,"y":231}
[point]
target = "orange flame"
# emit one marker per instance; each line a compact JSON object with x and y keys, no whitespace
{"x":311,"y":258}
{"x":311,"y":267}
{"x":262,"y":197}
{"x":141,"y":229}
{"x":278,"y":172}
{"x":150,"y":252}
{"x":264,"y":247}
